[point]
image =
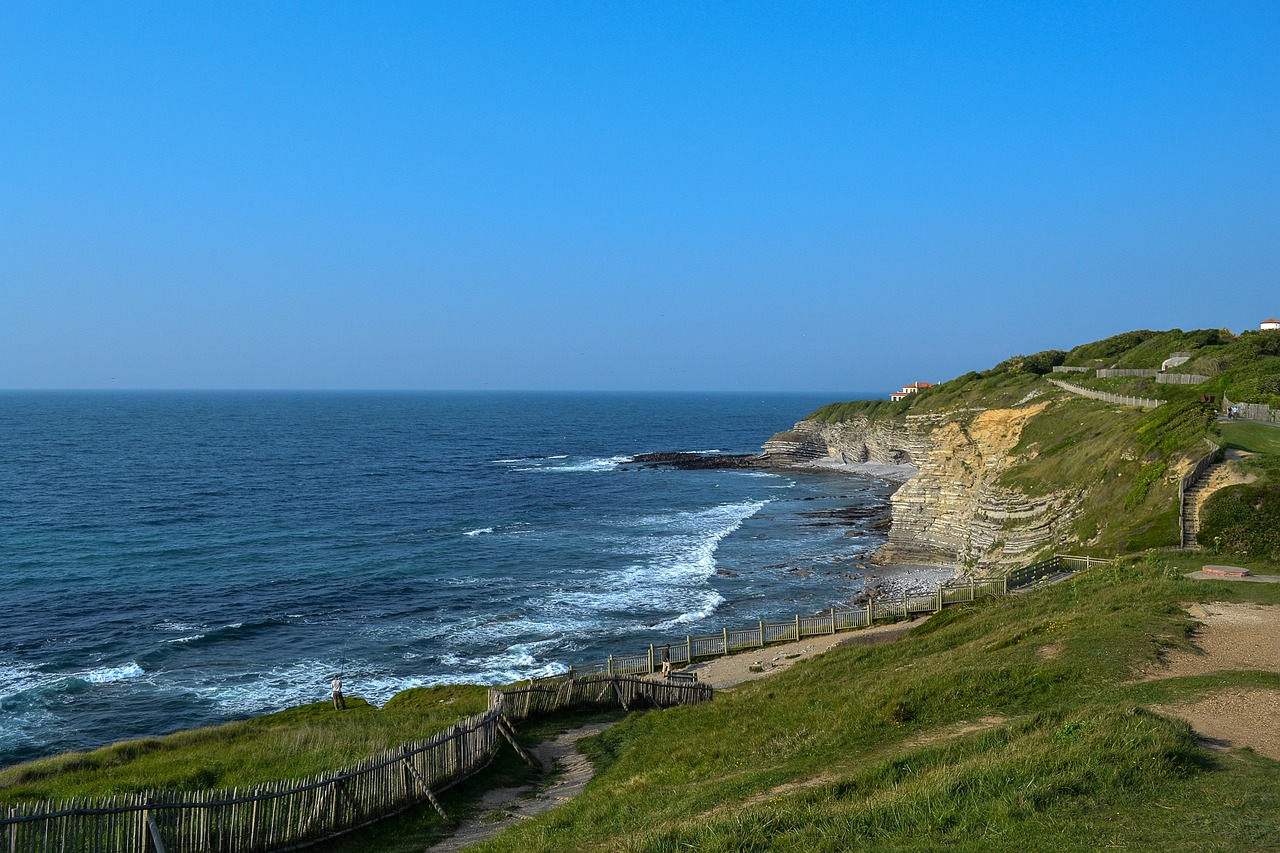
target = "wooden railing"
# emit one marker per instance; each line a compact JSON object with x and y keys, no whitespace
{"x":1107,"y":397}
{"x":835,"y":620}
{"x":286,"y":815}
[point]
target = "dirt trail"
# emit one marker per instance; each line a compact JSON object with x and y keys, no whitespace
{"x":1231,"y":637}
{"x":503,"y":807}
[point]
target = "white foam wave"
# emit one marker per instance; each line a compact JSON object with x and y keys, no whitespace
{"x":190,"y":639}
{"x":111,"y":674}
{"x":17,"y":678}
{"x":478,"y":531}
{"x":580,"y":466}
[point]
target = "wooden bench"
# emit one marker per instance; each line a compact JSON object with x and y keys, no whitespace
{"x":683,"y":677}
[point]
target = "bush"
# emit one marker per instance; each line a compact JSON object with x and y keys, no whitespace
{"x":1243,"y":520}
{"x":1039,"y":364}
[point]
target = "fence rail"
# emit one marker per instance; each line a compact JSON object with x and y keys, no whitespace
{"x":1111,"y":372}
{"x":1253,"y":411}
{"x":1182,"y":378}
{"x":833,"y":621}
{"x":287,"y":815}
{"x":1118,"y":399}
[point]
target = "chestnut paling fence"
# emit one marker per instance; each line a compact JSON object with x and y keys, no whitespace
{"x":835,"y":620}
{"x":287,"y":815}
{"x":293,"y":814}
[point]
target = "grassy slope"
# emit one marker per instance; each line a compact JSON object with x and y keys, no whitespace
{"x":863,"y":747}
{"x":288,"y":745}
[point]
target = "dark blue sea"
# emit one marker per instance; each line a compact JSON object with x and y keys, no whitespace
{"x":171,"y":560}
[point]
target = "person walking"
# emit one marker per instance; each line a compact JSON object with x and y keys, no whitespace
{"x":339,"y":703}
{"x":666,"y":661}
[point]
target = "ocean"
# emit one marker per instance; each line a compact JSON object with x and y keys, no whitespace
{"x":172,"y":560}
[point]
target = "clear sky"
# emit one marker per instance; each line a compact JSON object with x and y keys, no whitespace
{"x":841,"y":196}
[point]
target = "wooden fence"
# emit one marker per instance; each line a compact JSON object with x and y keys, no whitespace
{"x":1118,"y":399}
{"x":1253,"y":411}
{"x":1111,"y":372}
{"x":287,"y":815}
{"x":834,"y":621}
{"x":1182,"y":378}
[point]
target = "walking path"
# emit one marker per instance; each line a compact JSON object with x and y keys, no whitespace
{"x":1230,"y":637}
{"x":504,"y":807}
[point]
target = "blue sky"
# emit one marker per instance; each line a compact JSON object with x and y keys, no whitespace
{"x":633,"y":196}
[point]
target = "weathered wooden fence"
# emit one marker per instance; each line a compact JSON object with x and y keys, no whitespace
{"x":1111,"y":372}
{"x":287,"y":815}
{"x":1253,"y":411}
{"x":834,"y":621}
{"x":1182,"y":378}
{"x":1118,"y":399}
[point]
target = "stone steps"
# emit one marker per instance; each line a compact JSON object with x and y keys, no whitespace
{"x":1191,"y":507}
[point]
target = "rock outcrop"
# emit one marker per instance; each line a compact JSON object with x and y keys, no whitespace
{"x":953,"y":511}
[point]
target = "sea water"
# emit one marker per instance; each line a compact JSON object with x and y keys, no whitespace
{"x":172,"y":560}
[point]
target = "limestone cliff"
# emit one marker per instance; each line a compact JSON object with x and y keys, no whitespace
{"x":953,"y":511}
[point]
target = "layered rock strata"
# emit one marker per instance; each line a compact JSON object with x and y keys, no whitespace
{"x":953,"y":511}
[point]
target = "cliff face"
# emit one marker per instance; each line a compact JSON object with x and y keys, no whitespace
{"x":952,"y":511}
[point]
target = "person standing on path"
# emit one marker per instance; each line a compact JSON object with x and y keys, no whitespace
{"x":339,"y":703}
{"x":666,"y":661}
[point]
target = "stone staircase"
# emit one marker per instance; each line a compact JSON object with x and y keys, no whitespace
{"x":1192,"y":499}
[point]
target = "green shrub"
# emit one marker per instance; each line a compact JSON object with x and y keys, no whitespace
{"x":1243,"y":520}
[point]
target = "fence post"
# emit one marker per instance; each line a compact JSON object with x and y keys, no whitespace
{"x":833,"y":618}
{"x":726,"y":640}
{"x":651,"y":658}
{"x":688,"y":649}
{"x":762,"y":633}
{"x":937,"y":608}
{"x":871,"y":610}
{"x":13,"y":831}
{"x":797,"y":627}
{"x":610,"y":665}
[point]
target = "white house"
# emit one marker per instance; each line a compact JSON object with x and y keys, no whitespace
{"x":1269,"y":324}
{"x":907,"y":390}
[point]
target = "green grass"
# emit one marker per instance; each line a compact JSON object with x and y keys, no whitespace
{"x":1255,"y":438}
{"x":291,"y":744}
{"x":862,"y":748}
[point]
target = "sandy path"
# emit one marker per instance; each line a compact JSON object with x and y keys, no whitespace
{"x":735,"y":669}
{"x":1231,"y":637}
{"x":503,"y":807}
